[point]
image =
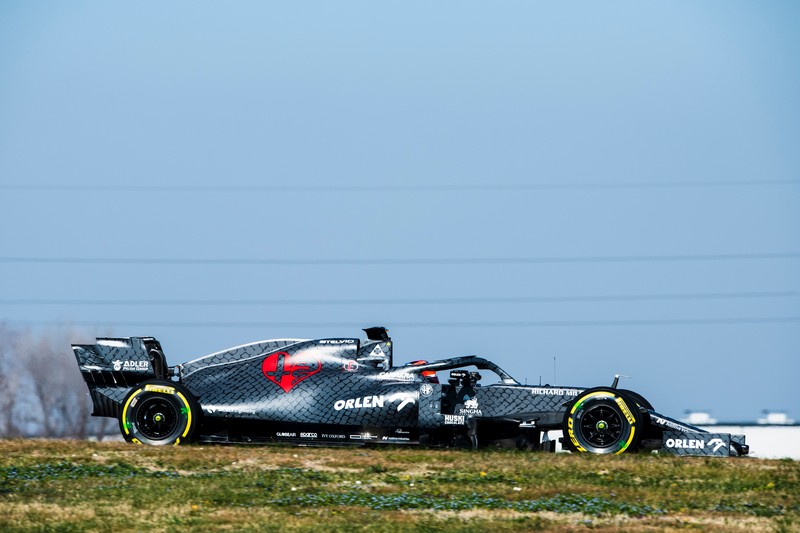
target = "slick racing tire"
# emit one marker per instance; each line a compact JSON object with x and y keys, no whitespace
{"x":603,"y":421}
{"x":640,"y":400}
{"x":158,"y":412}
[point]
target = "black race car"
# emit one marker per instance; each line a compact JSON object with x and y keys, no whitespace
{"x":346,"y":391}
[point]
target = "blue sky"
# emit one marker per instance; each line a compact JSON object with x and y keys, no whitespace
{"x":641,"y":159}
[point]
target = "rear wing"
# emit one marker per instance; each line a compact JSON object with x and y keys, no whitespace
{"x":111,"y":366}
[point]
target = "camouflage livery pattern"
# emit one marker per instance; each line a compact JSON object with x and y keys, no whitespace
{"x":347,"y":391}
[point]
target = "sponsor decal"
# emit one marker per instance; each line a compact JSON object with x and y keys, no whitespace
{"x":396,"y":439}
{"x":333,"y":436}
{"x":454,"y":420}
{"x":373,"y":402}
{"x":426,"y":389}
{"x":235,"y":410}
{"x":396,"y":376}
{"x":571,"y":431}
{"x":406,"y":401}
{"x":337,"y":341}
{"x":286,"y":371}
{"x":366,"y":402}
{"x":694,"y":444}
{"x":698,"y":444}
{"x":363,"y":436}
{"x":376,"y":352}
{"x":470,"y":408}
{"x":160,"y":388}
{"x":716,"y":444}
{"x":555,"y":392}
{"x":137,"y":366}
{"x":666,"y":423}
{"x":626,"y":411}
{"x":308,"y":435}
{"x":350,"y":366}
{"x":285,"y":434}
{"x":402,"y":432}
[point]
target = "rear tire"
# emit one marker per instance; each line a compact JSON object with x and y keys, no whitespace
{"x":158,"y":413}
{"x":602,"y":421}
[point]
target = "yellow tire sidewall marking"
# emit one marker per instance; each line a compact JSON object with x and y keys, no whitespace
{"x":623,"y":407}
{"x":188,"y":414}
{"x":159,"y":389}
{"x":125,"y":411}
{"x":164,"y":389}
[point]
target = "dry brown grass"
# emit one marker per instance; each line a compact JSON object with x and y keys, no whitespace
{"x":79,"y":486}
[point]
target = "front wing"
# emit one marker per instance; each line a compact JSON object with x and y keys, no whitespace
{"x":684,"y":439}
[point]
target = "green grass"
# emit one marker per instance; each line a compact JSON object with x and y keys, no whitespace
{"x":79,"y":486}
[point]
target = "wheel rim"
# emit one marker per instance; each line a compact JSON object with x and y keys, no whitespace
{"x":156,"y":418}
{"x":601,"y":426}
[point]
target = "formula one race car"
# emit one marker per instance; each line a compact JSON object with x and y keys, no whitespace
{"x":346,"y":391}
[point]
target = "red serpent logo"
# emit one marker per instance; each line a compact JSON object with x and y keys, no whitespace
{"x":286,"y":370}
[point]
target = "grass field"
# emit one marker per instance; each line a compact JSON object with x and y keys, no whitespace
{"x":79,"y":486}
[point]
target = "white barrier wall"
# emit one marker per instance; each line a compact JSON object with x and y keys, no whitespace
{"x":766,"y":442}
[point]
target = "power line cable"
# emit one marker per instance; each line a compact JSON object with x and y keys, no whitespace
{"x":378,"y":188}
{"x":400,"y":301}
{"x":440,"y":325}
{"x":402,"y":261}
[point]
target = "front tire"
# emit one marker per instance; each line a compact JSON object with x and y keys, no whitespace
{"x":603,"y":421}
{"x":640,"y":400}
{"x":158,"y":413}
